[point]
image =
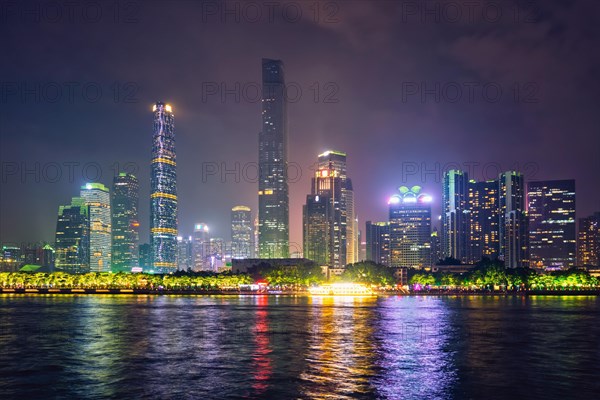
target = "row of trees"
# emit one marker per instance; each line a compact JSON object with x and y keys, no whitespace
{"x":107,"y":280}
{"x":489,"y":274}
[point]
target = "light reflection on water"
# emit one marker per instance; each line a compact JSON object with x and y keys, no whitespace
{"x":297,"y":347}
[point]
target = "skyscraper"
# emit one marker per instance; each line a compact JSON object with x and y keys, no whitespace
{"x":552,"y":233}
{"x":163,"y":191}
{"x":97,"y":198}
{"x":333,"y":160}
{"x":145,"y":257}
{"x":72,"y":244}
{"x":513,"y":220}
{"x":316,"y":229}
{"x":483,"y":220}
{"x":378,"y":242}
{"x":185,"y":259}
{"x":125,"y":222}
{"x":588,"y":241}
{"x":242,"y":243}
{"x":273,"y":201}
{"x":455,"y":216}
{"x":410,"y":228}
{"x":327,"y":184}
{"x":200,"y":247}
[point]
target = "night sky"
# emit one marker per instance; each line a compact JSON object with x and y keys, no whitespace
{"x":368,"y":59}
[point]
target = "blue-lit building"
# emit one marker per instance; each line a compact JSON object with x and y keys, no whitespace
{"x":273,"y":197}
{"x":163,"y":191}
{"x":455,"y":216}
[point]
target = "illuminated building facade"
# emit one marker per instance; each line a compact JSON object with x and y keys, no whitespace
{"x":201,"y":247}
{"x":242,"y":243}
{"x":513,"y":232}
{"x":145,"y":257}
{"x":336,"y":161}
{"x":378,"y":242}
{"x":455,"y":216}
{"x":185,"y":259}
{"x":552,"y":231}
{"x":72,"y":243}
{"x":163,"y":191}
{"x":125,"y":222}
{"x":588,"y":241}
{"x":316,"y":232}
{"x":484,"y":233}
{"x":273,"y":197}
{"x":97,"y":198}
{"x":327,"y":185}
{"x":410,"y":228}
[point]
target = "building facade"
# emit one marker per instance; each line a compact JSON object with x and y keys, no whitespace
{"x":316,"y":229}
{"x":97,"y":198}
{"x":378,"y":242}
{"x":588,"y":241}
{"x":552,"y":231}
{"x":72,"y":241}
{"x":513,"y":221}
{"x":484,"y":233}
{"x":455,"y":216}
{"x":163,"y":190}
{"x":125,"y":222}
{"x":242,"y":235}
{"x":410,"y":228}
{"x":273,"y":196}
{"x":201,"y":247}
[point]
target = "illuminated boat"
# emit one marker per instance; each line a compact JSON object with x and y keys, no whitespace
{"x":341,"y":289}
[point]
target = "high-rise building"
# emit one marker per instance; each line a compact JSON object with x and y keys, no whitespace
{"x":97,"y":198}
{"x":125,"y":222}
{"x":201,"y":247}
{"x":163,"y":191}
{"x":145,"y":257}
{"x":410,"y":228}
{"x":483,"y":220}
{"x":378,"y":242}
{"x":513,"y":232}
{"x":185,"y":259}
{"x":436,"y":247}
{"x":455,"y":216}
{"x":242,"y":235}
{"x":273,"y":198}
{"x":333,"y":160}
{"x":72,"y":243}
{"x":588,"y":241}
{"x":328,"y":184}
{"x":316,"y":232}
{"x":552,"y":232}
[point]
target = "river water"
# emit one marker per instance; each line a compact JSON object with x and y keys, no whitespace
{"x":177,"y":347}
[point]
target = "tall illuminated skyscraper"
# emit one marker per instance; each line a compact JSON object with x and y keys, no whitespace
{"x":410,"y":228}
{"x":242,"y":243}
{"x":163,"y":191}
{"x":483,"y":220}
{"x":513,"y":232}
{"x":125,"y":222}
{"x":273,"y":198}
{"x":97,"y":198}
{"x":336,"y":161}
{"x":552,"y":232}
{"x":201,"y":247}
{"x":72,"y":246}
{"x":455,"y":216}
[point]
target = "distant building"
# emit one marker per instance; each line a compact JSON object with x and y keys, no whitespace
{"x":316,"y":231}
{"x":145,"y":257}
{"x":97,"y":198}
{"x":588,"y":241}
{"x":514,"y":249}
{"x":201,"y":247}
{"x":436,"y":247}
{"x":125,"y":222}
{"x":249,"y":265}
{"x":273,"y":197}
{"x":184,"y":253}
{"x":242,"y":235}
{"x":484,"y":234}
{"x":410,"y":228}
{"x":163,"y":190}
{"x":378,"y":242}
{"x":455,"y":216}
{"x":552,"y":232}
{"x":72,"y":241}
